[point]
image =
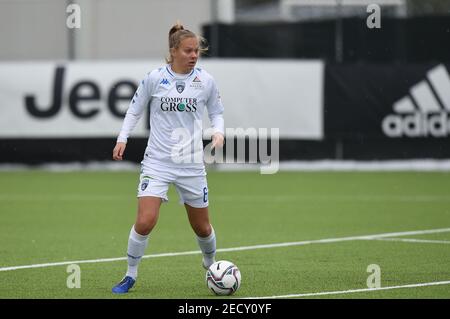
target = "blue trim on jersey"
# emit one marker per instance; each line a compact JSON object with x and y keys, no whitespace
{"x":167,"y":68}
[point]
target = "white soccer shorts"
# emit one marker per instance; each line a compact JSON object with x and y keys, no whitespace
{"x":192,"y":190}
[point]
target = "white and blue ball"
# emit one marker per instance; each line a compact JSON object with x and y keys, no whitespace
{"x":223,"y":278}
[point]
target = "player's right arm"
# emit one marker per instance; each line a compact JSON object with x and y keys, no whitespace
{"x":135,"y":110}
{"x":118,"y":151}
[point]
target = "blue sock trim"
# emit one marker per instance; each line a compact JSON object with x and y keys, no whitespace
{"x":134,"y":256}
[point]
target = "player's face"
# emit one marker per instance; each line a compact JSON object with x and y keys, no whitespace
{"x":186,"y":55}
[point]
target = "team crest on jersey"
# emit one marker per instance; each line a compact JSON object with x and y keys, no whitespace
{"x":180,"y":86}
{"x":144,"y":184}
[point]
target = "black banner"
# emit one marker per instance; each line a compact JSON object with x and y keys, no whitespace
{"x":387,"y":101}
{"x":406,"y":40}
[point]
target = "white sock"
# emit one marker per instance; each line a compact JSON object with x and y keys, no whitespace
{"x":137,"y":244}
{"x":208,"y":248}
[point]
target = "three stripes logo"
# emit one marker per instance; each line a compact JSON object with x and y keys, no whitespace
{"x":425,"y":111}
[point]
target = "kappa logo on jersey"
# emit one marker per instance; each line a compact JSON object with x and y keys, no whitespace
{"x":164,"y":82}
{"x":180,"y":86}
{"x":429,"y":119}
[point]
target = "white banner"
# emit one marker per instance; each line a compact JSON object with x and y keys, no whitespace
{"x":88,"y":99}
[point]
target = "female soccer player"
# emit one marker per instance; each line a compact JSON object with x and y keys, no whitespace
{"x":177,"y":94}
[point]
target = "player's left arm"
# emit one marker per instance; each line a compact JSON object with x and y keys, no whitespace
{"x":215,"y":114}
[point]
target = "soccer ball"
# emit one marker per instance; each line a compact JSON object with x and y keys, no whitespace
{"x":223,"y":278}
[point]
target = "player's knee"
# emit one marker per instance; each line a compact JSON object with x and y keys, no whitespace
{"x":203,"y":230}
{"x":143,"y":228}
{"x":145,"y":223}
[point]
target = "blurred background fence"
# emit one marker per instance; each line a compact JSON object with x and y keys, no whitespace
{"x":336,"y":84}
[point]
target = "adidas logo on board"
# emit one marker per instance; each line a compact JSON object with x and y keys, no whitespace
{"x":425,"y":111}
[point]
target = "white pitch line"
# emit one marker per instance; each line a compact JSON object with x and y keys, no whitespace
{"x":241,"y":198}
{"x":338,"y":198}
{"x":436,"y":283}
{"x":287,"y":244}
{"x":413,"y":240}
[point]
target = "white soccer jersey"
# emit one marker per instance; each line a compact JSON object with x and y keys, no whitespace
{"x":177,"y":104}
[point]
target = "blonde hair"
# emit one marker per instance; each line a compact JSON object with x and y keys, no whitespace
{"x":177,"y":34}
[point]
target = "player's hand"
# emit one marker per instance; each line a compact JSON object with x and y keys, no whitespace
{"x":118,"y":151}
{"x":217,"y":140}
